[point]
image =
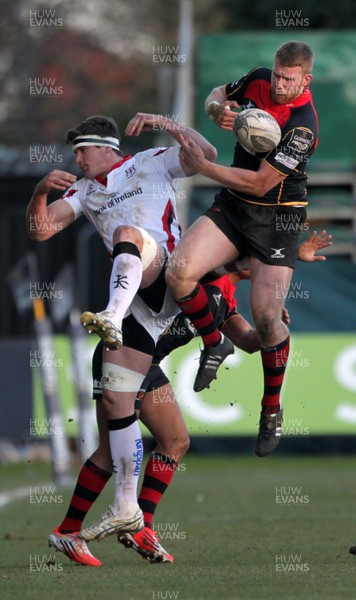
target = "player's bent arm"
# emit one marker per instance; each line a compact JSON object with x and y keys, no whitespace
{"x":255,"y":183}
{"x":42,"y":221}
{"x":145,"y":121}
{"x":181,"y":133}
{"x":217,"y":94}
{"x":242,"y":335}
{"x":217,"y":107}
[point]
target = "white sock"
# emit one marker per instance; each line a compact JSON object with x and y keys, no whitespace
{"x":126,"y":276}
{"x":127,"y":451}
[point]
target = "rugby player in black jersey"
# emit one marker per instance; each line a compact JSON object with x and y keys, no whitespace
{"x":259,"y":212}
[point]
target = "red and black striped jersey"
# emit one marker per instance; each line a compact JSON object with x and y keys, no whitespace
{"x":299,"y":126}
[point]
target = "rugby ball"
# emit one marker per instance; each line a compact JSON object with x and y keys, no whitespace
{"x":257,"y":130}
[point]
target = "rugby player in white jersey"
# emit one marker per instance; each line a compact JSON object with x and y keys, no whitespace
{"x":131,"y":202}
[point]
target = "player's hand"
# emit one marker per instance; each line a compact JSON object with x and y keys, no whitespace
{"x":147,"y":122}
{"x":55,"y":180}
{"x":243,"y":274}
{"x":191,"y":156}
{"x":143,"y":122}
{"x":285,"y":316}
{"x":236,"y":276}
{"x":222,"y":115}
{"x":315,"y":242}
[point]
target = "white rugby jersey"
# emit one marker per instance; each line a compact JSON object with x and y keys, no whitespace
{"x":138,"y":191}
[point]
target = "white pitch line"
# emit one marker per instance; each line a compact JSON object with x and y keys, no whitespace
{"x":17,"y":494}
{"x":8,"y":497}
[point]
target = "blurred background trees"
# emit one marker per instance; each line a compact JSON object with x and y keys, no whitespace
{"x":100,"y":55}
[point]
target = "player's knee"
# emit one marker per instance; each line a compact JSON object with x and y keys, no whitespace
{"x":127,"y":243}
{"x":184,"y":445}
{"x":264,"y":324}
{"x":177,"y":446}
{"x":175,"y":278}
{"x":266,"y":321}
{"x":108,"y":400}
{"x":137,"y":241}
{"x":126,"y":233}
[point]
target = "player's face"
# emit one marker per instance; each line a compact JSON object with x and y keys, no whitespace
{"x":93,"y":161}
{"x":287,"y":83}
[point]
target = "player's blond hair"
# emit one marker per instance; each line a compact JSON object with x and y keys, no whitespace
{"x":295,"y":54}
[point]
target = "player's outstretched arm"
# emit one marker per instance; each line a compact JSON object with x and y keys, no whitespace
{"x":317,"y":241}
{"x":42,"y":221}
{"x":179,"y":131}
{"x":257,"y":183}
{"x":218,"y":108}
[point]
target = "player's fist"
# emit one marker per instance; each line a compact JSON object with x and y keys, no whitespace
{"x":221,"y":114}
{"x":55,"y":180}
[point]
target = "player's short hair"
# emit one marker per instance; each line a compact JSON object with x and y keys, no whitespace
{"x":98,"y":125}
{"x":295,"y":54}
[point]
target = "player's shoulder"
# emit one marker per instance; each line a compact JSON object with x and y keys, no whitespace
{"x":240,"y":85}
{"x":76,"y":194}
{"x":258,"y":73}
{"x":150,"y":153}
{"x":79,"y":187}
{"x":304,"y":115}
{"x":263,"y":73}
{"x":158,"y":160}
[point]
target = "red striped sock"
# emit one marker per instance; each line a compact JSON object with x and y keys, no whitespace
{"x":91,"y":481}
{"x":158,"y":475}
{"x":274,"y":362}
{"x":196,"y":308}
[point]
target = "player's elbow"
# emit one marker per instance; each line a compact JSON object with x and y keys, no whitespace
{"x":260,"y":187}
{"x":37,"y":234}
{"x":38,"y":237}
{"x":265,"y":180}
{"x":34,"y":235}
{"x":260,"y":191}
{"x":253,"y":189}
{"x":211,"y":153}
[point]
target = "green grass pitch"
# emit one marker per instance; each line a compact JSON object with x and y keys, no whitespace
{"x":240,"y":528}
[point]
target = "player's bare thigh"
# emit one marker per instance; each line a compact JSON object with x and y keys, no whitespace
{"x":202,"y":248}
{"x":152,"y":271}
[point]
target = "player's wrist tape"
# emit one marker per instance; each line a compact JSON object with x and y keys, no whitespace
{"x":212,"y":111}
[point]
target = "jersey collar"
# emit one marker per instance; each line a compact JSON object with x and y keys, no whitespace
{"x":103,"y":180}
{"x":301,"y":100}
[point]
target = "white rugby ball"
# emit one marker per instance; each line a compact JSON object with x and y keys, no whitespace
{"x":257,"y":130}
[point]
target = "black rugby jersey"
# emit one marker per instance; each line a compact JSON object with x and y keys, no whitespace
{"x":299,"y":126}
